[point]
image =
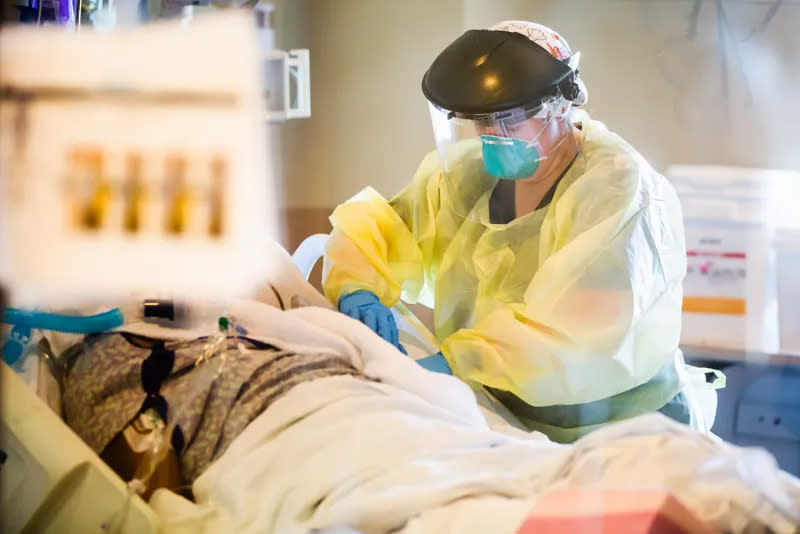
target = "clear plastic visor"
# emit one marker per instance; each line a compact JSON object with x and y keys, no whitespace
{"x":511,"y":144}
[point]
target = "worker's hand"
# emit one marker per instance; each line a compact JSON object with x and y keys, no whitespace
{"x":365,"y":306}
{"x":436,"y":364}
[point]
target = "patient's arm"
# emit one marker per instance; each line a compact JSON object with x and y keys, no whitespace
{"x":284,"y":286}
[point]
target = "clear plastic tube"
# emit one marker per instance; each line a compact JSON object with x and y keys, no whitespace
{"x":210,"y":365}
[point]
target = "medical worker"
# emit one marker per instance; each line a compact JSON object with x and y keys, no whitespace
{"x":551,"y":252}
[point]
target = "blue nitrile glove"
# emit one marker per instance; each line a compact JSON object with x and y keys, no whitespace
{"x":366,"y":307}
{"x":436,"y":364}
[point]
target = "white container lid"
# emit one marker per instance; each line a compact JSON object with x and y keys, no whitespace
{"x":738,"y":194}
{"x":730,"y":182}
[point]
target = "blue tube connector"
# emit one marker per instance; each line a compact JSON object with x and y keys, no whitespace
{"x":25,"y":321}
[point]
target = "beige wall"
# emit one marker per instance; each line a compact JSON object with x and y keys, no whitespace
{"x":664,"y":90}
{"x":369,"y":121}
{"x":648,"y":78}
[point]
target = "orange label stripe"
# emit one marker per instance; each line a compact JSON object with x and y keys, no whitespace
{"x":722,"y":306}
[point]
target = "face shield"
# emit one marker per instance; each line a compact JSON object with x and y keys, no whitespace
{"x":500,"y":104}
{"x":511,"y":145}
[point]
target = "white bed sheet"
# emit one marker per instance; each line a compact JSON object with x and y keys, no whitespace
{"x":415,"y":452}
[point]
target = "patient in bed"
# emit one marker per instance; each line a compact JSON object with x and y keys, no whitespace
{"x":127,"y":395}
{"x":123,"y":389}
{"x":311,"y":422}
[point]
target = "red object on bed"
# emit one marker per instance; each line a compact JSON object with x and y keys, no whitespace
{"x":594,"y":511}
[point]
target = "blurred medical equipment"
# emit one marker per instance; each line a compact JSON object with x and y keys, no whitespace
{"x":183,"y":184}
{"x":71,"y":13}
{"x":287,"y":86}
{"x":48,"y":11}
{"x":286,"y":73}
{"x":158,"y":185}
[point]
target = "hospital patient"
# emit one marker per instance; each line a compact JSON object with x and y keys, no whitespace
{"x":122,"y":388}
{"x":125,"y":391}
{"x":551,"y":252}
{"x":302,"y":419}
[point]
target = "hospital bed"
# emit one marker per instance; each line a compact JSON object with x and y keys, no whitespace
{"x":51,"y":482}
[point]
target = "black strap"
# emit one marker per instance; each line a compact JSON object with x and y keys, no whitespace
{"x":156,"y":368}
